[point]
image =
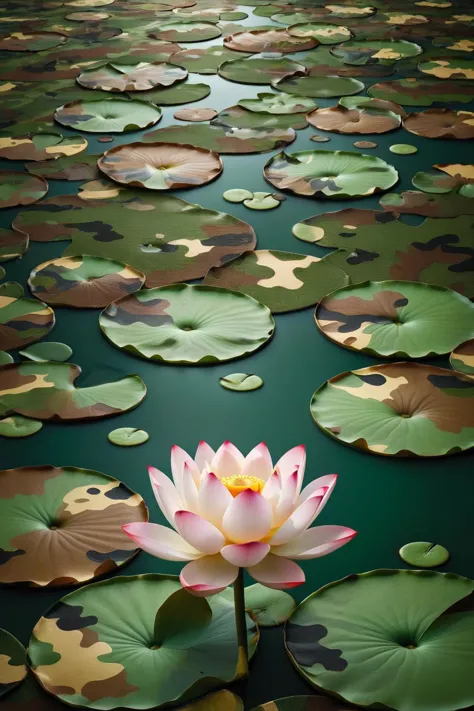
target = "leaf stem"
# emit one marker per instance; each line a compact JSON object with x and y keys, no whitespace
{"x":241,"y":625}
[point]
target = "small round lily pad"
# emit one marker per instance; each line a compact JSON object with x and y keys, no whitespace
{"x":261,"y":201}
{"x":106,"y":139}
{"x":188,"y":324}
{"x":256,"y":70}
{"x":83,"y":282}
{"x":128,"y":436}
{"x":365,"y":144}
{"x":403,"y":149}
{"x":192,"y":115}
{"x":462,"y":358}
{"x":5,"y":358}
{"x":115,"y":115}
{"x":422,"y":554}
{"x":14,"y":663}
{"x":161,"y":166}
{"x":13,"y":244}
{"x":441,"y":123}
{"x":274,"y":40}
{"x":142,"y":76}
{"x":18,"y":426}
{"x":318,"y":138}
{"x":241,"y":382}
{"x":46,"y":351}
{"x":23,"y":321}
{"x":318,"y":86}
{"x":41,"y":146}
{"x":20,"y":188}
{"x":186,"y":31}
{"x":31,"y":41}
{"x":237,"y":195}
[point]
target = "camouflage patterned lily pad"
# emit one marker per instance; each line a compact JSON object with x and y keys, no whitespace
{"x":87,"y":16}
{"x":303,"y":703}
{"x":365,"y":119}
{"x":5,"y":358}
{"x":239,"y":117}
{"x":116,"y":115}
{"x":195,"y":115}
{"x":184,"y":93}
{"x":241,"y":382}
{"x":412,"y":202}
{"x":23,"y":321}
{"x":318,"y":86}
{"x":350,"y":11}
{"x":31,"y":41}
{"x":74,"y":517}
{"x":128,"y":437}
{"x":256,"y":70}
{"x":162,"y":236}
{"x":324,"y":34}
{"x":333,"y":174}
{"x":283,"y":281}
{"x":204,"y":61}
{"x":398,"y":409}
{"x":223,"y":700}
{"x":188,"y":324}
{"x":46,"y":351}
{"x":269,"y":608}
{"x":441,"y":123}
{"x":364,"y":144}
{"x":455,"y":176}
{"x":161,"y":166}
{"x":46,"y":391}
{"x":13,"y":244}
{"x":20,"y":188}
{"x":78,"y":167}
{"x":278,"y":104}
{"x":186,"y":32}
{"x":394,"y":625}
{"x":14,"y":664}
{"x":132,"y":77}
{"x":274,"y":40}
{"x":396,"y":318}
{"x":423,"y":554}
{"x":360,"y":52}
{"x":17,"y":426}
{"x":462,"y":358}
{"x":224,"y":139}
{"x":423,"y":92}
{"x":168,"y":664}
{"x":448,"y":68}
{"x":41,"y":146}
{"x":83,"y":282}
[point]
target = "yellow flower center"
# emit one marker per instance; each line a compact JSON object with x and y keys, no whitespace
{"x":237,"y":484}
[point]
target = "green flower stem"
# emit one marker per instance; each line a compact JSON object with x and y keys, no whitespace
{"x":241,"y":624}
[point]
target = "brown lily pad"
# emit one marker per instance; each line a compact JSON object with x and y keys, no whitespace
{"x":195,"y":115}
{"x":20,"y":188}
{"x":31,"y":41}
{"x":41,"y":146}
{"x":13,"y":244}
{"x":22,"y":321}
{"x":276,"y":40}
{"x":441,"y":123}
{"x":132,"y":77}
{"x":339,"y":119}
{"x":365,"y":144}
{"x":413,"y":202}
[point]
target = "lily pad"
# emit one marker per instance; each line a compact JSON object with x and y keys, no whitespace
{"x":41,"y":146}
{"x":398,"y":409}
{"x":360,"y":52}
{"x":14,"y":666}
{"x":154,"y":674}
{"x":237,"y":195}
{"x":128,"y":437}
{"x":319,"y":138}
{"x":403,"y":149}
{"x":224,"y":139}
{"x":195,"y":115}
{"x":318,"y":86}
{"x":258,"y":70}
{"x":274,"y":40}
{"x":454,"y":44}
{"x":350,"y":11}
{"x":412,"y":202}
{"x":269,"y":608}
{"x":423,"y":92}
{"x":188,"y":324}
{"x":204,"y":61}
{"x":422,"y":554}
{"x":20,"y":188}
{"x":448,"y":68}
{"x":456,"y":176}
{"x":23,"y":321}
{"x":365,"y":119}
{"x":184,"y":93}
{"x":365,"y":144}
{"x":46,"y":351}
{"x":78,"y":167}
{"x":186,"y":31}
{"x":278,"y":104}
{"x":5,"y":358}
{"x":462,"y":358}
{"x":46,"y":391}
{"x":11,"y":288}
{"x":441,"y":123}
{"x":387,"y":624}
{"x":241,"y":382}
{"x":115,"y":115}
{"x":223,"y":700}
{"x":31,"y":41}
{"x":239,"y":117}
{"x":142,"y":76}
{"x":13,"y":244}
{"x":283,"y":281}
{"x":262,"y":201}
{"x":17,"y":426}
{"x":324,"y":34}
{"x":74,"y":516}
{"x":303,"y":703}
{"x":396,"y":318}
{"x":87,"y":16}
{"x":161,"y":166}
{"x":336,"y":174}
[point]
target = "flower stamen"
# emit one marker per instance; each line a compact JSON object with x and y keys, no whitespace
{"x":236,"y":484}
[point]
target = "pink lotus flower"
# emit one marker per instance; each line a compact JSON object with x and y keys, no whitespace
{"x":229,"y":512}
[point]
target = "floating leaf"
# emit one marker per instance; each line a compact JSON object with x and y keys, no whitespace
{"x":181,"y":620}
{"x":318,"y":86}
{"x":241,"y":382}
{"x":114,"y":114}
{"x":128,"y":437}
{"x":41,"y":146}
{"x":20,"y":188}
{"x":424,"y":555}
{"x":142,"y":76}
{"x":47,"y":350}
{"x":22,"y":321}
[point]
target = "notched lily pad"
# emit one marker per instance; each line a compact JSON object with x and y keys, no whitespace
{"x":422,"y":554}
{"x":204,"y":61}
{"x":20,"y":188}
{"x":224,"y":139}
{"x":441,"y":123}
{"x":364,"y":119}
{"x":41,"y":146}
{"x":278,"y":104}
{"x":192,"y":115}
{"x":186,"y":31}
{"x":46,"y":351}
{"x":262,"y":201}
{"x":324,"y":34}
{"x":318,"y":86}
{"x":259,"y":70}
{"x":17,"y":426}
{"x":241,"y":382}
{"x":128,"y":437}
{"x":142,"y":76}
{"x":237,"y":195}
{"x":273,"y":40}
{"x":269,"y":608}
{"x":115,"y":115}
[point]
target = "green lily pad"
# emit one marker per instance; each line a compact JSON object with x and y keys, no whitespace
{"x":398,"y":409}
{"x":278,"y":104}
{"x":451,"y":177}
{"x":241,"y":382}
{"x":259,"y":70}
{"x":142,"y":76}
{"x":283,"y":281}
{"x":360,"y":52}
{"x":12,"y":244}
{"x":412,"y":202}
{"x":46,"y":351}
{"x":128,"y":436}
{"x":288,"y":18}
{"x":423,"y":92}
{"x":31,"y":41}
{"x":403,"y":149}
{"x":396,"y":318}
{"x":424,"y":555}
{"x":22,"y":321}
{"x":46,"y":391}
{"x":5,"y":358}
{"x":184,"y":93}
{"x":269,"y":608}
{"x":14,"y":667}
{"x":271,"y":40}
{"x":394,"y":625}
{"x":181,"y":620}
{"x":441,"y":123}
{"x":325,"y":34}
{"x":333,"y":174}
{"x":153,"y":675}
{"x":223,"y":700}
{"x":204,"y":61}
{"x":187,"y":324}
{"x":11,"y":288}
{"x":233,"y":16}
{"x":239,"y":117}
{"x":77,"y":167}
{"x":318,"y":86}
{"x":75,"y":516}
{"x":303,"y":703}
{"x":462,"y":358}
{"x":18,"y":426}
{"x":40,"y":146}
{"x":237,"y":195}
{"x":160,"y":235}
{"x":20,"y":188}
{"x":186,"y":31}
{"x":448,"y":68}
{"x":83,"y":282}
{"x":223,"y":139}
{"x":262,"y":201}
{"x":115,"y":115}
